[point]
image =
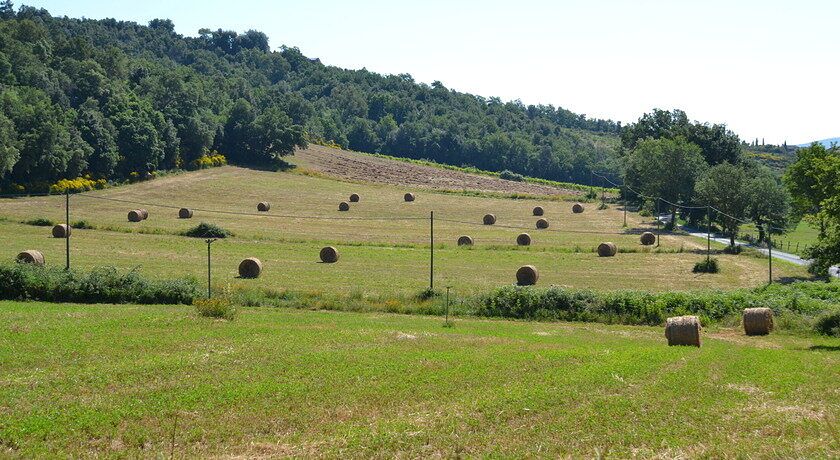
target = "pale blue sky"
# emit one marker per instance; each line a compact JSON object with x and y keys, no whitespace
{"x":767,"y":68}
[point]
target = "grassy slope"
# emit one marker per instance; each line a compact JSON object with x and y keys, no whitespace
{"x":111,"y":380}
{"x":378,"y":256}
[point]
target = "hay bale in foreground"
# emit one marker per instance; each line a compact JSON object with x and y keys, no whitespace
{"x":647,"y":239}
{"x":250,"y":268}
{"x":31,"y":256}
{"x":538,"y":211}
{"x":523,"y":239}
{"x":329,"y":255}
{"x":408,"y":197}
{"x":185,"y":213}
{"x":683,"y":330}
{"x":527,"y":275}
{"x":343,"y":206}
{"x":135,"y":215}
{"x":758,"y":321}
{"x":607,"y":249}
{"x":263,"y":206}
{"x":542,"y":224}
{"x":354,"y":198}
{"x":577,"y":208}
{"x":465,"y":240}
{"x":144,"y":213}
{"x":489,"y":219}
{"x":61,"y":231}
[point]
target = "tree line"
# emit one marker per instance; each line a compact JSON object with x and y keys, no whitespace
{"x":112,"y":99}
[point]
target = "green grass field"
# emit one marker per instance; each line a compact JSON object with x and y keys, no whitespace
{"x":383,"y":241}
{"x":156,"y":381}
{"x":793,"y":242}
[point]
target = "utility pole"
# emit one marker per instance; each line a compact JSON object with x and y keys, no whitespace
{"x":658,"y":222}
{"x":431,"y":250}
{"x":770,"y":254}
{"x":209,"y":241}
{"x":708,"y":237}
{"x":625,"y":205}
{"x":67,"y":222}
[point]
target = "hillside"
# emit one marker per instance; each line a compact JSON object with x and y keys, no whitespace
{"x":825,"y":142}
{"x":115,"y":99}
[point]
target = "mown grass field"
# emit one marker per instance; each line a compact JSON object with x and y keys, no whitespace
{"x":794,"y":241}
{"x":383,"y":241}
{"x":158,"y":381}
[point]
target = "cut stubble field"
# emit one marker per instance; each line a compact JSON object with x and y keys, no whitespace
{"x":383,"y":241}
{"x":156,"y":381}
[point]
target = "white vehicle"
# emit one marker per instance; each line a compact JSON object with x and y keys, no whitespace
{"x":834,"y":271}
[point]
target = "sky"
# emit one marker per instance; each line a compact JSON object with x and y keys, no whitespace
{"x":766,"y":68}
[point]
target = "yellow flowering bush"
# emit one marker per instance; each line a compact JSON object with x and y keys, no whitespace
{"x":79,"y":184}
{"x":209,"y":160}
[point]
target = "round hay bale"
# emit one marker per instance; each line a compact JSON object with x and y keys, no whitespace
{"x":647,"y":238}
{"x":263,"y":206}
{"x":577,"y":208}
{"x":683,"y":330}
{"x":523,"y":239}
{"x":135,"y":215}
{"x":408,"y":197}
{"x":31,"y":256}
{"x":758,"y":321}
{"x":329,"y":255}
{"x":489,"y":219}
{"x":538,"y":211}
{"x":354,"y":198}
{"x":250,"y":268}
{"x":343,"y":206}
{"x":465,"y":240}
{"x":527,"y":275}
{"x":607,"y":249}
{"x":61,"y":231}
{"x":144,"y":213}
{"x":542,"y":223}
{"x":185,"y":213}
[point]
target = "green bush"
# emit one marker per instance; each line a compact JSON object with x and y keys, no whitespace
{"x":218,"y":307}
{"x":706,"y":266}
{"x":733,"y":250}
{"x":510,"y":175}
{"x":603,"y":206}
{"x":205,"y":230}
{"x":82,"y":224}
{"x":829,"y":324}
{"x":40,"y":222}
{"x":591,"y":194}
{"x":101,"y":285}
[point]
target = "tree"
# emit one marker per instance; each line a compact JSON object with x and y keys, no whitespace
{"x":273,"y":135}
{"x":9,"y":152}
{"x":725,"y":188}
{"x":7,"y":9}
{"x":665,"y":168}
{"x":769,"y":203}
{"x":809,"y":183}
{"x":100,"y":134}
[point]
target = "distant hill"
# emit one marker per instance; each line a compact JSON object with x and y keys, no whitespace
{"x":825,"y":142}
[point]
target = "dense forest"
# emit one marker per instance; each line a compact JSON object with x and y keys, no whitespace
{"x":109,"y":99}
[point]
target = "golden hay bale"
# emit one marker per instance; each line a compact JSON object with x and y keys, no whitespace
{"x":683,"y":330}
{"x":31,"y":256}
{"x":343,"y":206}
{"x":135,"y":215}
{"x":465,"y":241}
{"x":144,"y":213}
{"x":250,"y":268}
{"x":523,"y":239}
{"x":185,"y":213}
{"x":408,"y":197}
{"x":758,"y":321}
{"x":538,"y":211}
{"x":527,"y":275}
{"x":542,"y":223}
{"x":489,"y":219}
{"x":354,"y":198}
{"x":61,"y":231}
{"x":263,"y":206}
{"x":329,"y":255}
{"x":607,"y":249}
{"x":577,"y":208}
{"x":647,"y":238}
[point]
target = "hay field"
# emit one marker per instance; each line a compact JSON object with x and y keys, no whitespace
{"x":383,"y":241}
{"x":121,"y":381}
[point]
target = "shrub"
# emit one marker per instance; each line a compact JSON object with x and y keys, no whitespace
{"x":205,"y":230}
{"x":101,"y":285}
{"x":40,"y":222}
{"x":829,"y":324}
{"x":217,"y":307}
{"x":427,"y":294}
{"x":510,"y":175}
{"x":209,"y":160}
{"x":591,"y":194}
{"x":602,"y":206}
{"x":706,"y":266}
{"x":83,"y":224}
{"x":734,"y":250}
{"x":79,"y":184}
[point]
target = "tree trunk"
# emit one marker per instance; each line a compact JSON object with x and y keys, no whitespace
{"x":761,"y":235}
{"x":732,"y":240}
